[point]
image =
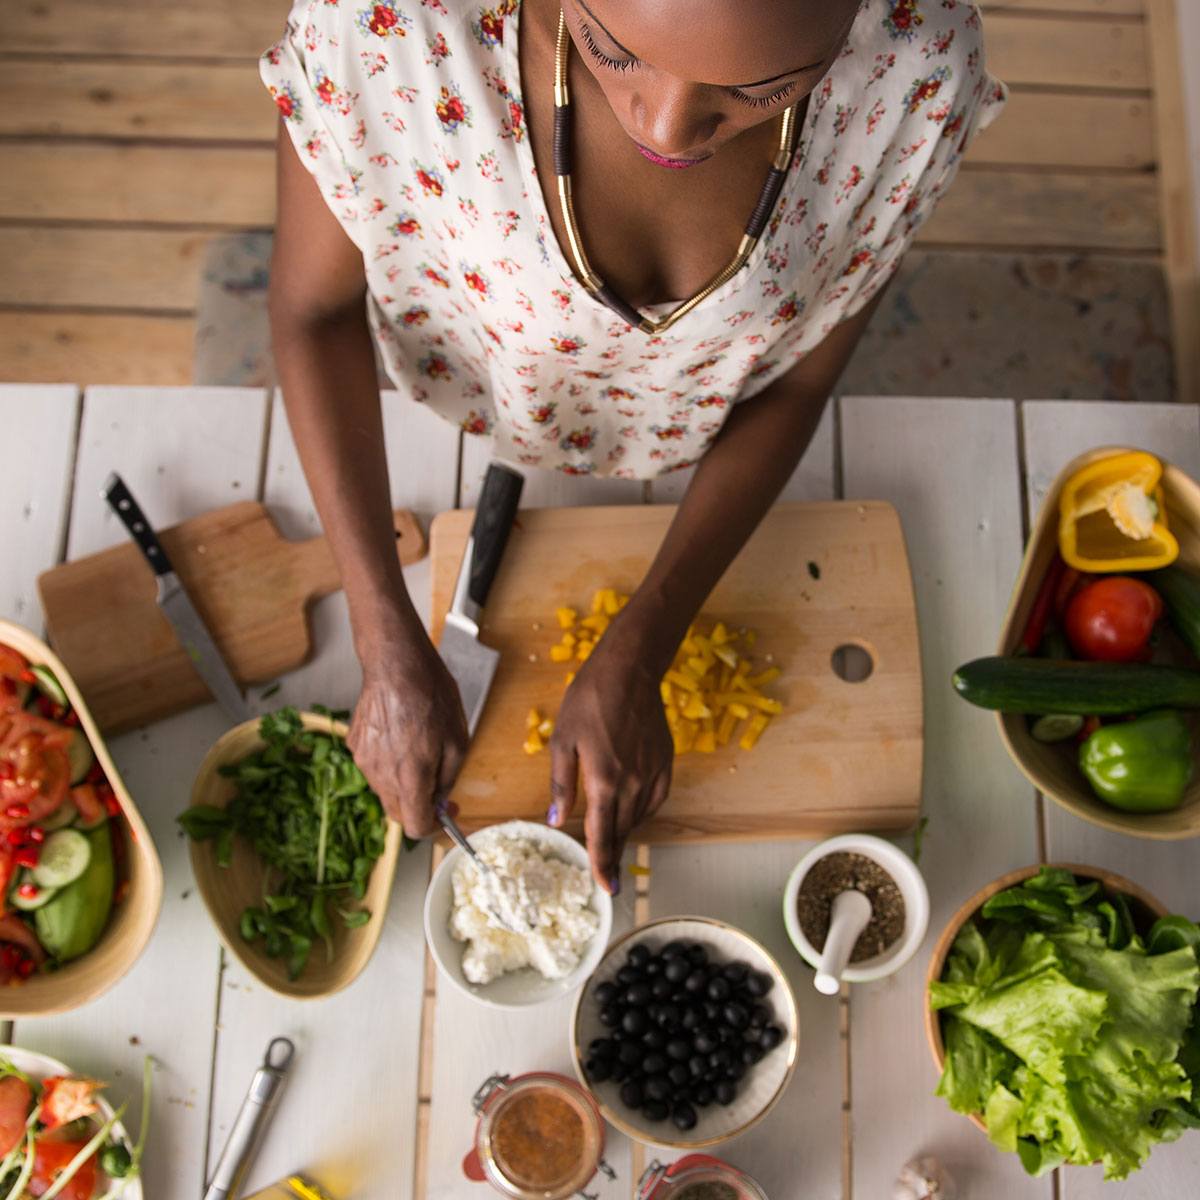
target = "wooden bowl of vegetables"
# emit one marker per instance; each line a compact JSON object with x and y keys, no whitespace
{"x":81,"y":878}
{"x":292,"y":853}
{"x":1055,"y":974}
{"x":1037,"y":677}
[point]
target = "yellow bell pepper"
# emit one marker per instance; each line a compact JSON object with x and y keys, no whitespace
{"x":566,"y":617}
{"x":1112,"y":516}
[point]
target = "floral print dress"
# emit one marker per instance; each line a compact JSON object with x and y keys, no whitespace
{"x":409,"y":115}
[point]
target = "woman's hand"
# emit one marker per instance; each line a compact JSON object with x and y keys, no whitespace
{"x":612,"y":733}
{"x":408,"y":733}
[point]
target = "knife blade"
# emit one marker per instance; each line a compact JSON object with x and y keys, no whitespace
{"x":176,"y":604}
{"x":473,"y":664}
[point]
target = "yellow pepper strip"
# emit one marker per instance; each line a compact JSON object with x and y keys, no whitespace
{"x":570,"y":678}
{"x":696,"y":708}
{"x":705,"y":742}
{"x":637,"y":869}
{"x":719,"y":635}
{"x":728,"y":724}
{"x":561,"y":654}
{"x":566,"y":617}
{"x":664,"y":690}
{"x":680,"y":680}
{"x":533,"y":719}
{"x":758,"y":723}
{"x":583,"y":650}
{"x":597,"y":623}
{"x":1112,"y":516}
{"x":756,"y":681}
{"x":603,"y":600}
{"x":749,"y":638}
{"x":568,"y":639}
{"x":727,"y":654}
{"x":533,"y":743}
{"x":749,"y":700}
{"x":614,"y":603}
{"x":739,"y":710}
{"x":546,"y":728}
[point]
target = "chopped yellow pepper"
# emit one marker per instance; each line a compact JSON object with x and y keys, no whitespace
{"x":533,"y":719}
{"x":561,"y":653}
{"x":754,"y":729}
{"x":533,"y":743}
{"x":566,"y":617}
{"x":1112,"y":516}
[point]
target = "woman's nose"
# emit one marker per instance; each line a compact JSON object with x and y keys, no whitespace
{"x":674,"y":118}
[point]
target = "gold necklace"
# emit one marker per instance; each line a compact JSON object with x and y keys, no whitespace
{"x":590,"y":280}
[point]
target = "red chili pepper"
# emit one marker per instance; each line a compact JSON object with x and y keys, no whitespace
{"x":9,"y":955}
{"x":7,"y":770}
{"x":1039,"y":614}
{"x":96,"y":774}
{"x":17,"y":811}
{"x":71,"y":717}
{"x":26,"y":967}
{"x":27,"y":856}
{"x":112,"y":805}
{"x":37,"y":834}
{"x":27,"y":891}
{"x":17,"y":837}
{"x":27,"y":676}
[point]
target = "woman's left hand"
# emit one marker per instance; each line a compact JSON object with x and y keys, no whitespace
{"x":611,"y":733}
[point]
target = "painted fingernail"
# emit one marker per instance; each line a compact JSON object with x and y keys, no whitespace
{"x":614,"y":884}
{"x":552,"y":815}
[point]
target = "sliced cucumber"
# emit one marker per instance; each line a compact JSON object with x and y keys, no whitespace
{"x":65,"y":856}
{"x":1056,"y":727}
{"x":30,"y":903}
{"x":65,"y":814}
{"x":81,"y":756}
{"x":50,"y":686}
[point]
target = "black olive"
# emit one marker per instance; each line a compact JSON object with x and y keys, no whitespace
{"x":638,"y":956}
{"x":606,"y":992}
{"x":652,"y":967}
{"x":697,"y":955}
{"x":638,"y":995}
{"x":679,"y":1048}
{"x":610,"y":1015}
{"x":697,"y":1065}
{"x":655,"y":1110}
{"x":679,"y":1074}
{"x":735,"y":1015}
{"x":676,"y":970}
{"x":702,"y":1095}
{"x":718,"y":989}
{"x":705,"y":1042}
{"x":735,"y":972}
{"x":655,"y":1063}
{"x":720,"y":1060}
{"x":752,"y":1052}
{"x":684,"y":1116}
{"x":674,"y":950}
{"x":628,"y":975}
{"x":635,"y":1022}
{"x":736,"y":1070}
{"x":630,"y":1053}
{"x":654,"y":1039}
{"x":668,"y":1016}
{"x":693,"y":1016}
{"x":601,"y":1048}
{"x":759,"y":983}
{"x":661,"y":988}
{"x":632,"y":1094}
{"x":696,"y":982}
{"x":619,"y":1071}
{"x":724,"y":1092}
{"x":657,"y":1087}
{"x":760,"y":1014}
{"x":770,"y":1037}
{"x":598,"y":1069}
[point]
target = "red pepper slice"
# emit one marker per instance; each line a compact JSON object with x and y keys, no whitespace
{"x":1035,"y":628}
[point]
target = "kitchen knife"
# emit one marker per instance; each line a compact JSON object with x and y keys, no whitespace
{"x":176,"y":605}
{"x":473,"y":664}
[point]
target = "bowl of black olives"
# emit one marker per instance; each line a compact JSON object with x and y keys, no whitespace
{"x":686,"y":1033}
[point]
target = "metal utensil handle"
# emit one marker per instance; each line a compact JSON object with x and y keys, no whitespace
{"x":456,"y":835}
{"x":251,"y":1120}
{"x":494,"y":516}
{"x":120,"y":498}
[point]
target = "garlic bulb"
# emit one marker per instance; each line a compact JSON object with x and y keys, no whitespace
{"x":924,"y":1179}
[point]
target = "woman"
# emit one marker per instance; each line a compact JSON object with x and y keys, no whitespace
{"x":420,"y":214}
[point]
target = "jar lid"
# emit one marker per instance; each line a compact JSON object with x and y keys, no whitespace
{"x":540,"y":1137}
{"x":697,"y":1177}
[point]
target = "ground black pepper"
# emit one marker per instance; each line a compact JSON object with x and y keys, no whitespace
{"x":706,"y":1191}
{"x":839,"y":872}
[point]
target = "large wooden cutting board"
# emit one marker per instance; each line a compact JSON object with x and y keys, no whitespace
{"x":814,"y":577}
{"x":252,"y":588}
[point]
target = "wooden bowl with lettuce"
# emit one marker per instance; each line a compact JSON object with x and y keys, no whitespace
{"x":1061,"y":1005}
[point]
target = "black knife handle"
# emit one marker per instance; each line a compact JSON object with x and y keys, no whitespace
{"x":494,"y":516}
{"x":126,"y":507}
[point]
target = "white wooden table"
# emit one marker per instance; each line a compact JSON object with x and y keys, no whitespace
{"x":376,"y":1112}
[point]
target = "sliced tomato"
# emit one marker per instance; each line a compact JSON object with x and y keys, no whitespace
{"x":13,"y":929}
{"x":7,"y":867}
{"x":66,"y":1099}
{"x":34,"y":770}
{"x":13,"y":684}
{"x":88,"y":802}
{"x":50,"y":1159}
{"x":15,"y":1102}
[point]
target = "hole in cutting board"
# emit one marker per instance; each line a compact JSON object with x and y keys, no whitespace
{"x":852,"y":662}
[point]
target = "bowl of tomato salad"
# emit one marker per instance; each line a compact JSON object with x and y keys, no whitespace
{"x":80,"y":880}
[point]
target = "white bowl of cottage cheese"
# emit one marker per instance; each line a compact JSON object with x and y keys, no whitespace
{"x":552,"y":893}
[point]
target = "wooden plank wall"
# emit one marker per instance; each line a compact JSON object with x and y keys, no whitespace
{"x":132,"y":131}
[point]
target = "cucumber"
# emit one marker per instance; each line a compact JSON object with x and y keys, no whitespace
{"x":65,"y":856}
{"x":1043,"y":685}
{"x":1181,"y":596}
{"x":29,"y":903}
{"x":65,"y":814}
{"x":48,"y":682}
{"x":1056,"y":727}
{"x":81,"y":756}
{"x":72,"y":922}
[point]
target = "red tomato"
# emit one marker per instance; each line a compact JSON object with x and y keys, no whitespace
{"x":50,"y":1159}
{"x":34,"y":770}
{"x":13,"y":668}
{"x":1111,"y":620}
{"x":15,"y":1103}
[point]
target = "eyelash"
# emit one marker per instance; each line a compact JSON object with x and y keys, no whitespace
{"x":625,"y":64}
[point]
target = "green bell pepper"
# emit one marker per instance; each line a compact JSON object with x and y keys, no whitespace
{"x":1142,"y":765}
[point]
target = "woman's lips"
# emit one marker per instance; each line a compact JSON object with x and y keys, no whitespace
{"x":658,"y":159}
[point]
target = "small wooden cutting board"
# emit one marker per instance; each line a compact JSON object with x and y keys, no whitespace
{"x":814,"y":578}
{"x":251,"y":586}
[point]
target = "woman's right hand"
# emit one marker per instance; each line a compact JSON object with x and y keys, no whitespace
{"x":408,"y":733}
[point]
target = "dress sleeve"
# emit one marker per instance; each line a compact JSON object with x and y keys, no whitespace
{"x":314,"y":86}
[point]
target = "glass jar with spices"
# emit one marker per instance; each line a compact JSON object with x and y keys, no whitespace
{"x":697,"y":1177}
{"x":540,"y":1137}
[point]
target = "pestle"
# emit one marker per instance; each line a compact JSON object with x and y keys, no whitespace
{"x":848,"y":917}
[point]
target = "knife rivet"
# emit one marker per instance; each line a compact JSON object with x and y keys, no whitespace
{"x":138,"y":526}
{"x":122,"y":504}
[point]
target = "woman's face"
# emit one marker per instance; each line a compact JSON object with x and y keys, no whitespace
{"x":684,"y":77}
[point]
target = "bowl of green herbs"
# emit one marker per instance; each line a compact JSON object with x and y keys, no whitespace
{"x":1063,"y":1017}
{"x":292,"y":853}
